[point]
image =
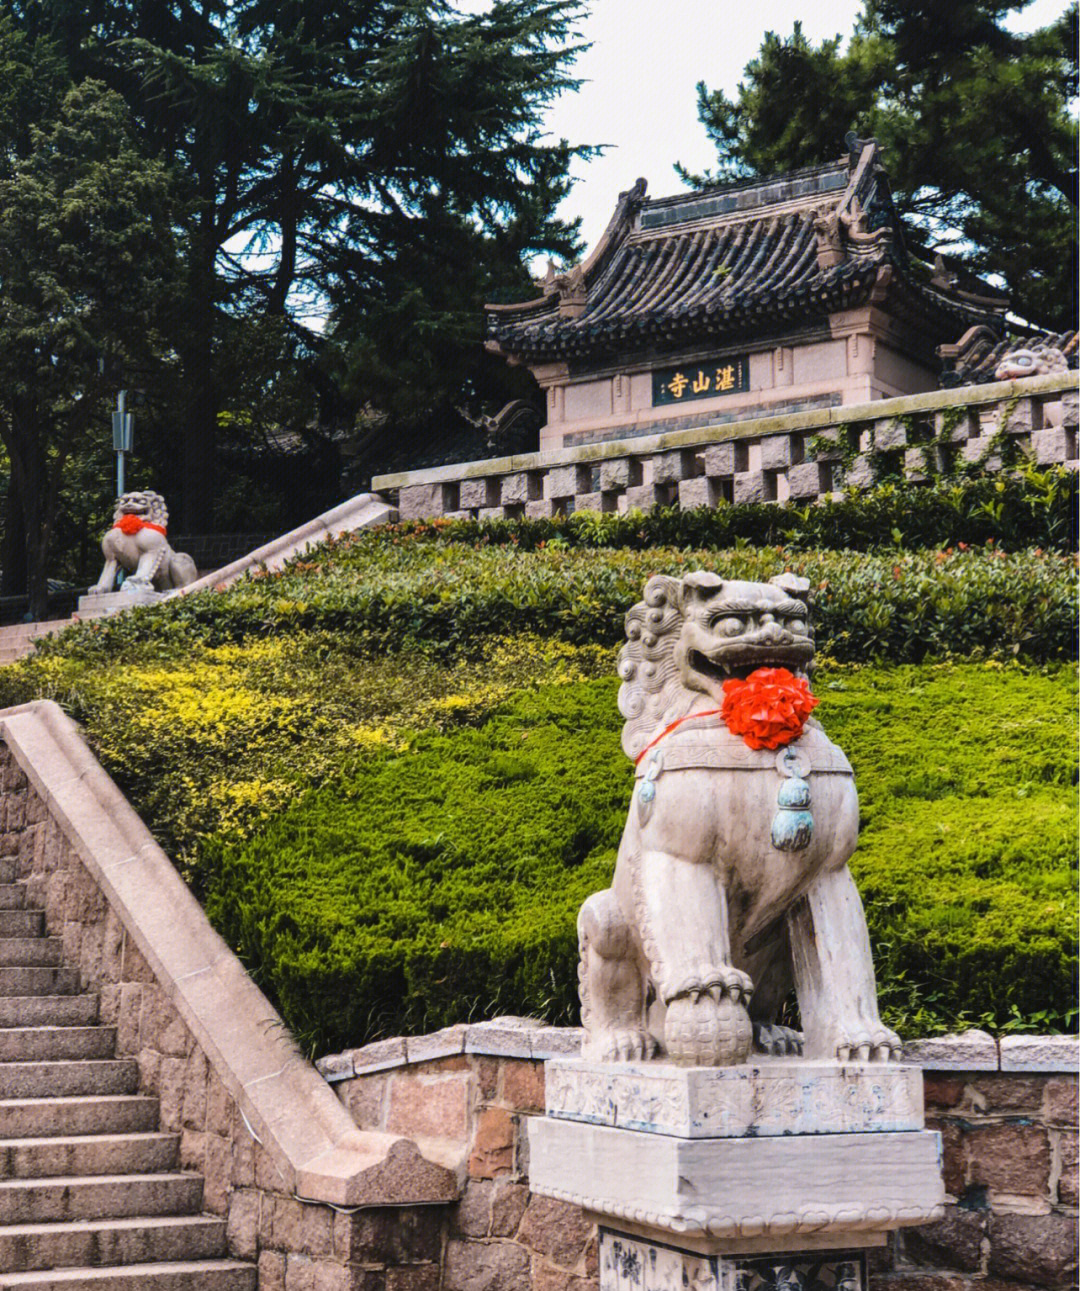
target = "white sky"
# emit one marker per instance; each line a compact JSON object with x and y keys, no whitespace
{"x":646,"y":59}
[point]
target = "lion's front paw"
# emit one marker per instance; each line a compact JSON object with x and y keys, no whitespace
{"x":777,"y":1041}
{"x":874,"y":1043}
{"x":709,"y":1027}
{"x":629,"y":1044}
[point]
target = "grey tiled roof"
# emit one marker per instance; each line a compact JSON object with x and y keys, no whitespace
{"x":737,"y":261}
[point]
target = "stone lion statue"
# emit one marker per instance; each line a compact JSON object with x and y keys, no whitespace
{"x":137,"y":544}
{"x":731,"y":883}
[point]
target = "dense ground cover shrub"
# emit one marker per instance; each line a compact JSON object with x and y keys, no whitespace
{"x":445,"y":879}
{"x":393,"y":771}
{"x":387,"y":590}
{"x":1030,"y":508}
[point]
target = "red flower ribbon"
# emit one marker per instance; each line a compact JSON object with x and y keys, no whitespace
{"x":131,"y":524}
{"x":769,"y":708}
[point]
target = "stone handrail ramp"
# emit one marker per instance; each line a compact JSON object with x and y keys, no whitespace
{"x":802,"y":456}
{"x":275,"y":1145}
{"x":361,"y":512}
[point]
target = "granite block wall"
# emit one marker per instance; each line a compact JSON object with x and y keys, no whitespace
{"x":802,"y":457}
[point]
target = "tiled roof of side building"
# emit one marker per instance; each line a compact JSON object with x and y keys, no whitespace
{"x":738,"y":260}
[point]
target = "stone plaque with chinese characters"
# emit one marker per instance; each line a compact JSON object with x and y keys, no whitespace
{"x":701,"y":380}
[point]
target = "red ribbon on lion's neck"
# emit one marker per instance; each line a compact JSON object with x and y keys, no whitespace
{"x":131,"y":524}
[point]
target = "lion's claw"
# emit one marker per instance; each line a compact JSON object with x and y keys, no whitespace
{"x":630,"y":1045}
{"x":776,"y":1040}
{"x":880,"y":1045}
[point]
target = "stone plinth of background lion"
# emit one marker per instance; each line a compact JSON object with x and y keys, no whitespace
{"x":731,"y":883}
{"x":138,"y":544}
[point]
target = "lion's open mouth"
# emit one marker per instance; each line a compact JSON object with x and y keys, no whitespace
{"x":741,"y":661}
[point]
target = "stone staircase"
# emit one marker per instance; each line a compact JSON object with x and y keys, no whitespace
{"x":90,"y":1193}
{"x":18,"y":639}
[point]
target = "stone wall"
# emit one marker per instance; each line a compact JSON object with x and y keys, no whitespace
{"x":478,"y":1084}
{"x":1007,"y":1112}
{"x":802,"y":457}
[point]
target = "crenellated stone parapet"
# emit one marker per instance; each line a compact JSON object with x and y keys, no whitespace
{"x":804,"y":457}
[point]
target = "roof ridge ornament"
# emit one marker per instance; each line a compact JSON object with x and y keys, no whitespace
{"x":573,"y":293}
{"x":839,"y":232}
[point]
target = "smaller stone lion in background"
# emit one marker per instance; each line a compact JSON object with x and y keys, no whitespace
{"x":138,"y":545}
{"x":1036,"y":361}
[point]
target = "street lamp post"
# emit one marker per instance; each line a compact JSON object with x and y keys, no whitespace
{"x":123,"y":434}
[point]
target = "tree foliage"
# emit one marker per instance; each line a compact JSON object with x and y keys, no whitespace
{"x":352,"y":163}
{"x":345,"y":182}
{"x":975,"y":122}
{"x":86,"y":256}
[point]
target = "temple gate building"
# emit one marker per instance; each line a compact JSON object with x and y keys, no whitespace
{"x":747,"y":300}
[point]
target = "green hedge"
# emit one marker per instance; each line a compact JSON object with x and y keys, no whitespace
{"x":393,"y":769}
{"x":1030,"y":508}
{"x":388,"y":590}
{"x":442,"y":882}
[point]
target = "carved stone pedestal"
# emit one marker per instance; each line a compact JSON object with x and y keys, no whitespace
{"x":720,"y":1179}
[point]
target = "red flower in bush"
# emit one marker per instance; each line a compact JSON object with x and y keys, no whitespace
{"x":768,"y":709}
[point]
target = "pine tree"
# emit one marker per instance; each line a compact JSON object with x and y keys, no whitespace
{"x":975,"y":124}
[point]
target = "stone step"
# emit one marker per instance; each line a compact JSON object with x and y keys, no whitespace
{"x":42,"y":1201}
{"x":26,"y":1118}
{"x":145,"y":1240}
{"x":87,"y":1154}
{"x":39,"y":981}
{"x":50,"y":1044}
{"x":206,"y":1275}
{"x":22,"y":923}
{"x":12,"y":896}
{"x":48,"y":1010}
{"x":63,"y":1079}
{"x":7,"y":869}
{"x":31,"y":951}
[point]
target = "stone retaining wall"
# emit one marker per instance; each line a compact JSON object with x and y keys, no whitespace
{"x":802,"y":457}
{"x":1007,"y":1112}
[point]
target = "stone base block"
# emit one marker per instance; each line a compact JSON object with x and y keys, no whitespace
{"x":738,"y":1188}
{"x":776,"y":453}
{"x":645,"y":496}
{"x":97,"y":605}
{"x":751,"y":486}
{"x":860,"y":474}
{"x":720,"y":459}
{"x":781,"y":1096}
{"x":698,"y":492}
{"x":808,"y":480}
{"x":482,"y":493}
{"x":1053,"y":447}
{"x":630,"y":1262}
